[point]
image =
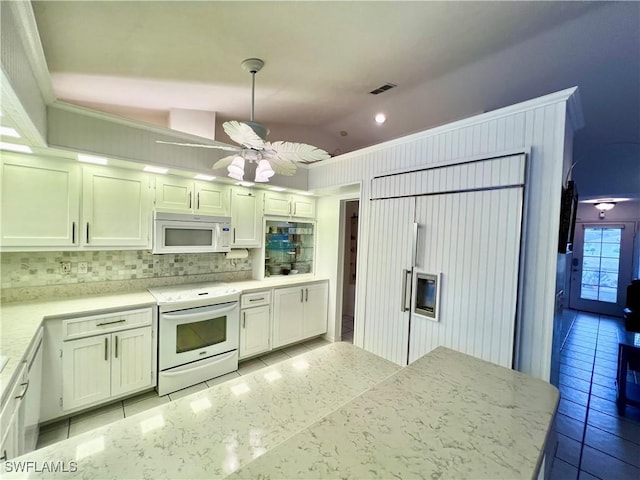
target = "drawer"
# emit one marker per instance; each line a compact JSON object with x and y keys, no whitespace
{"x":17,"y":391}
{"x":105,"y":323}
{"x":255,"y":299}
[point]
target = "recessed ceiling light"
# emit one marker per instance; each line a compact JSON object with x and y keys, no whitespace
{"x":277,"y":189}
{"x":208,"y":178}
{"x":92,"y":159}
{"x":305,"y":193}
{"x":381,"y":118}
{"x":9,"y":132}
{"x":152,"y":169}
{"x":15,"y":147}
{"x":245,"y":184}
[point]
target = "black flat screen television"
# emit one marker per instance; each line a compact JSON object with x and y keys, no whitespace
{"x":568,"y":211}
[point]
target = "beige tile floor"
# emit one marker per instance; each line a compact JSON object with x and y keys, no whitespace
{"x":98,"y":417}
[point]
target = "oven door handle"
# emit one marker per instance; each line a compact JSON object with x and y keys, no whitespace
{"x":203,"y":314}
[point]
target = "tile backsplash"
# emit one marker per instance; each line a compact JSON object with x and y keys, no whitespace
{"x":38,"y":269}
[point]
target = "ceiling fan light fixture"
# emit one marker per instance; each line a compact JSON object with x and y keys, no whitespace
{"x":236,"y":169}
{"x":264,"y":171}
{"x":604,"y":206}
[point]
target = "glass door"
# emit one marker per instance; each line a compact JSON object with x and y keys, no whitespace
{"x":288,"y":247}
{"x":601,"y":267}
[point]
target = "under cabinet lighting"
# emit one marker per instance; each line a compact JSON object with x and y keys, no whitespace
{"x":208,"y":178}
{"x":277,"y":189}
{"x":245,"y":184}
{"x":152,"y":169}
{"x":9,"y":132}
{"x":305,"y":193}
{"x":15,"y":147}
{"x":92,"y":159}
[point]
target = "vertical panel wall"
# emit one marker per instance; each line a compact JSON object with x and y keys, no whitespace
{"x":537,"y":126}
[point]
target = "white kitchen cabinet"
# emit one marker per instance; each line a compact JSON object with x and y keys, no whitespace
{"x":246,"y":220}
{"x":40,"y":202}
{"x":116,"y":208}
{"x":254,"y":331}
{"x":299,"y":312}
{"x":105,"y":356}
{"x":181,"y":195}
{"x":282,"y":204}
{"x":255,"y":323}
{"x":98,"y":368}
{"x":12,"y":417}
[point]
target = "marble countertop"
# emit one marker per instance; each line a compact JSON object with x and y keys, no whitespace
{"x":335,"y":412}
{"x":19,"y":322}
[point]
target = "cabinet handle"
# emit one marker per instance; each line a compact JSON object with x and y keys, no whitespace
{"x":87,"y":232}
{"x":256,"y":299}
{"x":106,"y":349}
{"x":244,"y":319}
{"x":301,"y":295}
{"x":4,"y":455}
{"x":111,"y":323}
{"x":116,"y":346}
{"x":198,"y":201}
{"x":189,"y":199}
{"x":306,"y":299}
{"x":234,"y":234}
{"x":73,"y":232}
{"x":24,"y":392}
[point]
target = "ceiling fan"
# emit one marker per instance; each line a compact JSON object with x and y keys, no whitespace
{"x":270,"y":157}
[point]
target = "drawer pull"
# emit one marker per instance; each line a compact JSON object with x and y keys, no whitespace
{"x":106,"y":349}
{"x":24,"y":392}
{"x":256,"y":299}
{"x":116,"y":346}
{"x":111,"y":323}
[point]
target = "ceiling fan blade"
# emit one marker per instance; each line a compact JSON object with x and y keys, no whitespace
{"x":202,"y":145}
{"x":243,"y":134}
{"x":281,"y":166}
{"x":298,"y":152}
{"x":223,"y":162}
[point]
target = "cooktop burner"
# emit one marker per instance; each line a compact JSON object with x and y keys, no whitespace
{"x":195,"y":294}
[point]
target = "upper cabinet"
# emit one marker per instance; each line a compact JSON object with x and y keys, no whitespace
{"x":175,"y":194}
{"x":246,"y":220}
{"x":282,"y":204}
{"x":40,"y":205}
{"x":115,"y":208}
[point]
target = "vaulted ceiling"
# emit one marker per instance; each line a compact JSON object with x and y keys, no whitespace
{"x":449,"y":60}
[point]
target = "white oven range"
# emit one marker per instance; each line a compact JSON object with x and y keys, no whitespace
{"x":198,"y":333}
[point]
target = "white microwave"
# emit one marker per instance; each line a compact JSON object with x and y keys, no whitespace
{"x":186,"y":233}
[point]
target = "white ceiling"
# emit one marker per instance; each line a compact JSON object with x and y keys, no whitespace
{"x":448,"y":59}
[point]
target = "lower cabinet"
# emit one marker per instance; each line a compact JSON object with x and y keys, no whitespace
{"x":299,"y":312}
{"x":255,"y":323}
{"x":254,"y":331}
{"x":12,"y":418}
{"x":97,"y":368}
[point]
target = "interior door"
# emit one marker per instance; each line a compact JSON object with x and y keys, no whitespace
{"x":473,"y":240}
{"x":386,"y":330}
{"x":601,"y":267}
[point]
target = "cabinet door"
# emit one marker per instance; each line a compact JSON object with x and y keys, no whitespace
{"x":254,"y":331}
{"x":277,"y":204}
{"x":303,"y":206}
{"x":116,"y":208}
{"x":40,"y":202}
{"x":288,"y":312}
{"x":131,"y":363}
{"x":211,"y":199}
{"x":174,"y":194}
{"x":245,"y":219}
{"x":315,"y":309}
{"x":86,"y":366}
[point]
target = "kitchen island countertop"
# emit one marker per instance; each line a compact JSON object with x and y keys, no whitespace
{"x":335,"y":412}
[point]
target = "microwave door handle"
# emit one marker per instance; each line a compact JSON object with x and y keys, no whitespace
{"x":202,"y":314}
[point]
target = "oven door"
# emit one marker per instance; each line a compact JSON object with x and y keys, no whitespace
{"x":197,"y":333}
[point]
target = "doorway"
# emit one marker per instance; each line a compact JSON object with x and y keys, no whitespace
{"x":350,"y":248}
{"x":601,"y":267}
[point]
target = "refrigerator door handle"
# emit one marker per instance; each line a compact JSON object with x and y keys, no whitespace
{"x":414,"y":249}
{"x":406,"y":292}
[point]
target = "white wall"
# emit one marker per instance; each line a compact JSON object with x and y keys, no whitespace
{"x":538,"y":126}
